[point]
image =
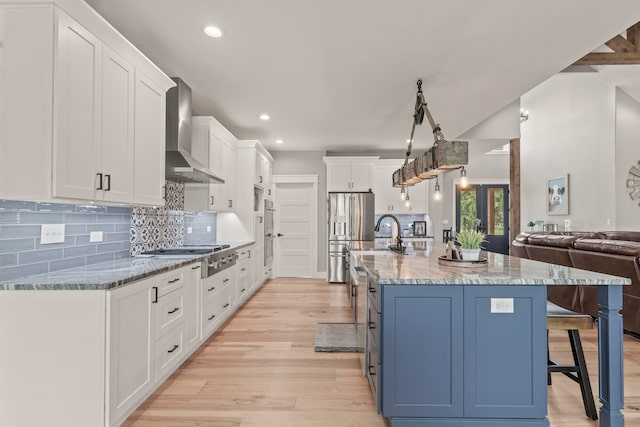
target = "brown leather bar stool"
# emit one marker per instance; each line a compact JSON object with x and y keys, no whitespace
{"x":561,"y":318}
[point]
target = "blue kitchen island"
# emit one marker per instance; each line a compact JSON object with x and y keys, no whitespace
{"x":451,"y":346}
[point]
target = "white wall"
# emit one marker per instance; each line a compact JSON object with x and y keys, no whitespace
{"x":571,"y":129}
{"x":305,"y":163}
{"x":627,"y":154}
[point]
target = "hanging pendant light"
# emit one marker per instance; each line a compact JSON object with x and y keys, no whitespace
{"x":407,"y":201}
{"x":464,"y":182}
{"x":403,"y":193}
{"x":437,"y":195}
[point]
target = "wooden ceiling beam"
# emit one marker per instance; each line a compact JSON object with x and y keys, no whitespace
{"x":620,"y":44}
{"x":606,"y":58}
{"x":633,"y":35}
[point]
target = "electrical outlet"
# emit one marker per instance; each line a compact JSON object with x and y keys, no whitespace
{"x":51,"y":233}
{"x":208,"y":228}
{"x":189,"y":230}
{"x":96,"y":236}
{"x":502,"y":305}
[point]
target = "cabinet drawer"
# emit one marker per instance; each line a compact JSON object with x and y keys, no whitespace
{"x":169,"y":281}
{"x":216,"y":283}
{"x":244,"y":284}
{"x":170,"y":311}
{"x":372,"y":294}
{"x":372,"y":325}
{"x":242,"y":268}
{"x":214,"y":310}
{"x":169,"y":350}
{"x":373,"y":369}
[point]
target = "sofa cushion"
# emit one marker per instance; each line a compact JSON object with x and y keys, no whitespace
{"x":522,"y":237}
{"x":559,"y":241}
{"x":632,"y":236}
{"x":617,"y":247}
{"x":581,"y":234}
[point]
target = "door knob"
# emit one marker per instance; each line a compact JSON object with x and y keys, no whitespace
{"x":280,"y":234}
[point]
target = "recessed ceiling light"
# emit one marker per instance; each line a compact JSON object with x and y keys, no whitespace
{"x":212,"y":31}
{"x":264,"y":116}
{"x":279,"y":141}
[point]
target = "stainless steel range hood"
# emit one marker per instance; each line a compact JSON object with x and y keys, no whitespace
{"x":180,"y":164}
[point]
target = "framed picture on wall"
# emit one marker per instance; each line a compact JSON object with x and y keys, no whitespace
{"x":558,"y":195}
{"x":420,"y":228}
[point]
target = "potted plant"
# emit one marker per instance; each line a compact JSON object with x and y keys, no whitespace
{"x":470,"y":242}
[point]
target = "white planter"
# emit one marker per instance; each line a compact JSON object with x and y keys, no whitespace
{"x":470,"y":254}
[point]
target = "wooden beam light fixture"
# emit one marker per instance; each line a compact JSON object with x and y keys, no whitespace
{"x":442,"y":157}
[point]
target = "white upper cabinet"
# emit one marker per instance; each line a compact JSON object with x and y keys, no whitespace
{"x":350,"y":173}
{"x":81,"y":106}
{"x":150,"y":107}
{"x":388,"y":198}
{"x":214,"y":146}
{"x":117,"y":142}
{"x":77,"y":112}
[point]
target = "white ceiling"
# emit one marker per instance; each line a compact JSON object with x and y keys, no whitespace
{"x":339,"y":75}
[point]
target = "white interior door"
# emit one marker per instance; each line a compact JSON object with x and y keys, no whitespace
{"x":295,"y":229}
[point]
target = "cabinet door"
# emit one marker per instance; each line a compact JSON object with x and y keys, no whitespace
{"x":339,"y":177}
{"x":149,"y":142}
{"x":419,"y":198}
{"x":422,"y":342}
{"x":381,"y":189}
{"x":76,"y":153}
{"x":131,"y":358}
{"x":192,"y":307}
{"x":230,"y":156}
{"x":510,"y":347}
{"x":361,"y":177}
{"x":215,"y":154}
{"x":117,"y":147}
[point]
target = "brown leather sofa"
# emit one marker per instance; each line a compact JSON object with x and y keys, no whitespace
{"x":611,"y":252}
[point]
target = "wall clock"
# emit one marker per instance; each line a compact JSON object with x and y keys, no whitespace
{"x":633,"y":182}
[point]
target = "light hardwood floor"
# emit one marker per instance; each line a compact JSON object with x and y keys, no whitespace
{"x":260,"y":369}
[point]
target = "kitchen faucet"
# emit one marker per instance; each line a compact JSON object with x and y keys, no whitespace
{"x":395,"y":239}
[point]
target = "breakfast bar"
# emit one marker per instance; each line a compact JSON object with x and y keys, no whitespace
{"x":454,"y":346}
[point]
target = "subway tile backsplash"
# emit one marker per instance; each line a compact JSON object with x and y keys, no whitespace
{"x":126,"y":232}
{"x":22,"y":253}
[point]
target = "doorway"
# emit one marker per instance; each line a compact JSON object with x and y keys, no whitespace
{"x":295,"y":225}
{"x":485,"y":208}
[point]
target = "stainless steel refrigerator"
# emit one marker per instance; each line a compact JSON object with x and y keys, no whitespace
{"x":351,"y":218}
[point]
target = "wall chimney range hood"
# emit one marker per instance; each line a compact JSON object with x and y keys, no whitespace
{"x":180,"y":164}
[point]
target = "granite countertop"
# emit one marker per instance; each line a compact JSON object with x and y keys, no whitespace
{"x":421,"y":267}
{"x":107,"y":275}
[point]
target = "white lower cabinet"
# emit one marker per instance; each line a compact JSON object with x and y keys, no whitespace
{"x":131,"y":340}
{"x":146,"y":337}
{"x":99,"y":354}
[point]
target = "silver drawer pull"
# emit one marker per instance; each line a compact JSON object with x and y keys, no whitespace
{"x":225,"y":280}
{"x":196,"y":267}
{"x":212,"y":316}
{"x":174,"y":280}
{"x":226,"y":305}
{"x":175,"y":347}
{"x":211,"y":289}
{"x":173,"y":311}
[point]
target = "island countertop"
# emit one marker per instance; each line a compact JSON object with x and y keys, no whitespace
{"x":421,"y":267}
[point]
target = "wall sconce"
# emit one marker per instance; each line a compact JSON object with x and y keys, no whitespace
{"x":437,"y":195}
{"x":524,"y":116}
{"x":464,"y":182}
